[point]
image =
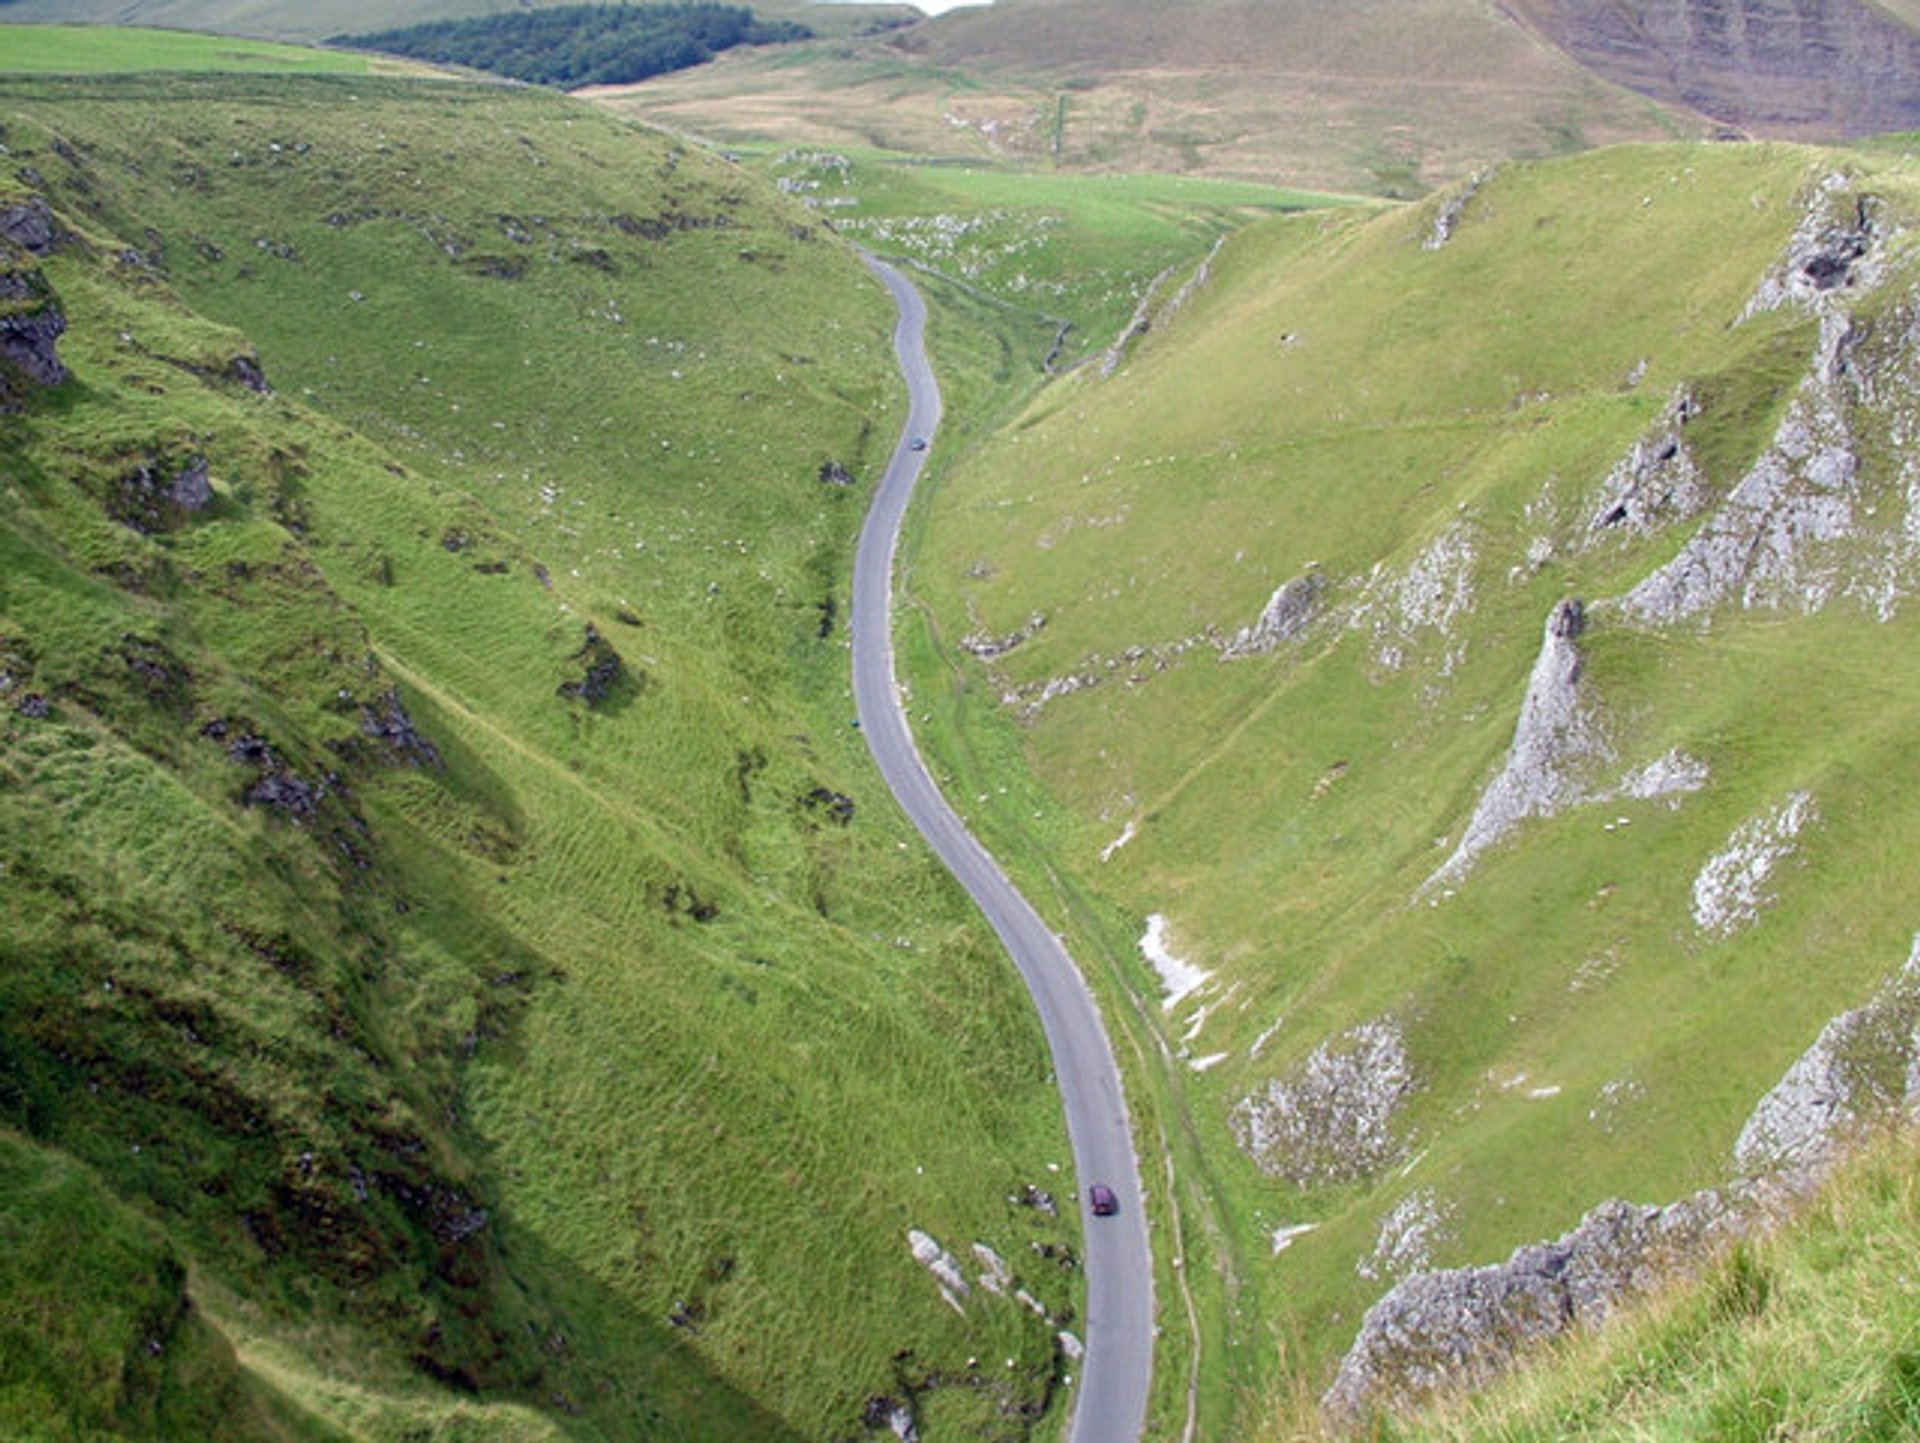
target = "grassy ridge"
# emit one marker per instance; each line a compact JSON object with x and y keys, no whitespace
{"x":1808,"y":1332}
{"x":70,"y":50}
{"x":1339,"y":398}
{"x":587,"y":1063}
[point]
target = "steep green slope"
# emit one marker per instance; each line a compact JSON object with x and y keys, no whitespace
{"x":1806,"y":1334}
{"x":441,"y":889}
{"x":99,"y":1337}
{"x":1493,"y":925}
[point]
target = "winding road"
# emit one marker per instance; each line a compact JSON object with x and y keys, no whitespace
{"x":1112,"y":1387}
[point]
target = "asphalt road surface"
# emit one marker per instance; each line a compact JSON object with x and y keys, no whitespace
{"x":1111,"y":1386}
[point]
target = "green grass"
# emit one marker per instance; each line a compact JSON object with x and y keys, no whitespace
{"x":612,"y":974}
{"x":702,"y":1054}
{"x":93,"y":50}
{"x":1338,"y":395}
{"x":1077,"y":250}
{"x":1808,"y":1333}
{"x":99,"y":1339}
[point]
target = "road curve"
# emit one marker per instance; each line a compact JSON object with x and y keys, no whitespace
{"x":1111,"y":1395}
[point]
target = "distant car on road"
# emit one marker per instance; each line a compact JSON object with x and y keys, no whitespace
{"x":1105,"y":1204}
{"x":918,"y":443}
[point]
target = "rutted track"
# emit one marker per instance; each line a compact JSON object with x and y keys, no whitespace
{"x":1112,"y":1385}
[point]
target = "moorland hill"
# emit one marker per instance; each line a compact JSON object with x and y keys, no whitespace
{"x":1828,"y":69}
{"x":1385,"y":96}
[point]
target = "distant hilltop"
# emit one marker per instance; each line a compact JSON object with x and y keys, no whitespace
{"x":1823,"y":68}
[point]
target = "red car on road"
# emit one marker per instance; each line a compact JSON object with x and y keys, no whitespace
{"x":1105,"y":1204}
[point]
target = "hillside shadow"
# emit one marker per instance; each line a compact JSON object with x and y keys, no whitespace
{"x":608,"y":1369}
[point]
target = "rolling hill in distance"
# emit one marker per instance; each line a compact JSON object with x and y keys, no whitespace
{"x":309,"y":22}
{"x":1385,"y":96}
{"x":1443,"y":667}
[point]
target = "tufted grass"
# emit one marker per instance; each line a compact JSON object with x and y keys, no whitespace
{"x":1806,"y":1333}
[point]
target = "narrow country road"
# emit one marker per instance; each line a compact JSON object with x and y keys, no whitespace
{"x":1111,"y":1388}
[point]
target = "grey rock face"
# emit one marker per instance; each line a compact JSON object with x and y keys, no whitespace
{"x":989,"y":647}
{"x":886,"y":1414}
{"x":1330,"y":1120}
{"x":30,"y":319}
{"x":1407,"y":1236}
{"x":1769,"y":543}
{"x":27,"y":345}
{"x":1552,"y":737}
{"x":1865,"y":1063}
{"x":1658,"y":481}
{"x":1447,"y":218}
{"x":1838,"y":245}
{"x":191,"y":489}
{"x":246,"y":370}
{"x":1405,"y":612}
{"x":28,"y":224}
{"x":1759,"y":547}
{"x":1139,"y":325}
{"x":386,"y":721}
{"x":1463,"y":1327}
{"x":937,"y":1260}
{"x":1285,"y":616}
{"x":1731,"y":888}
{"x":1033,"y":697}
{"x":1460,"y":1328}
{"x":1202,"y":273}
{"x":276,"y":785}
{"x":157,"y":496}
{"x":603,"y":671}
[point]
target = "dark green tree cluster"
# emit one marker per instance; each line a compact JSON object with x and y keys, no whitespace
{"x":571,"y":45}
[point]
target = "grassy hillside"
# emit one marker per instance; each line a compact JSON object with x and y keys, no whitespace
{"x":1808,"y":1334}
{"x":445,"y":903}
{"x":1386,"y":97}
{"x":1437,"y":445}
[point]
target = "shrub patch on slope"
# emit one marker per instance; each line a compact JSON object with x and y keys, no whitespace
{"x":572,"y":45}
